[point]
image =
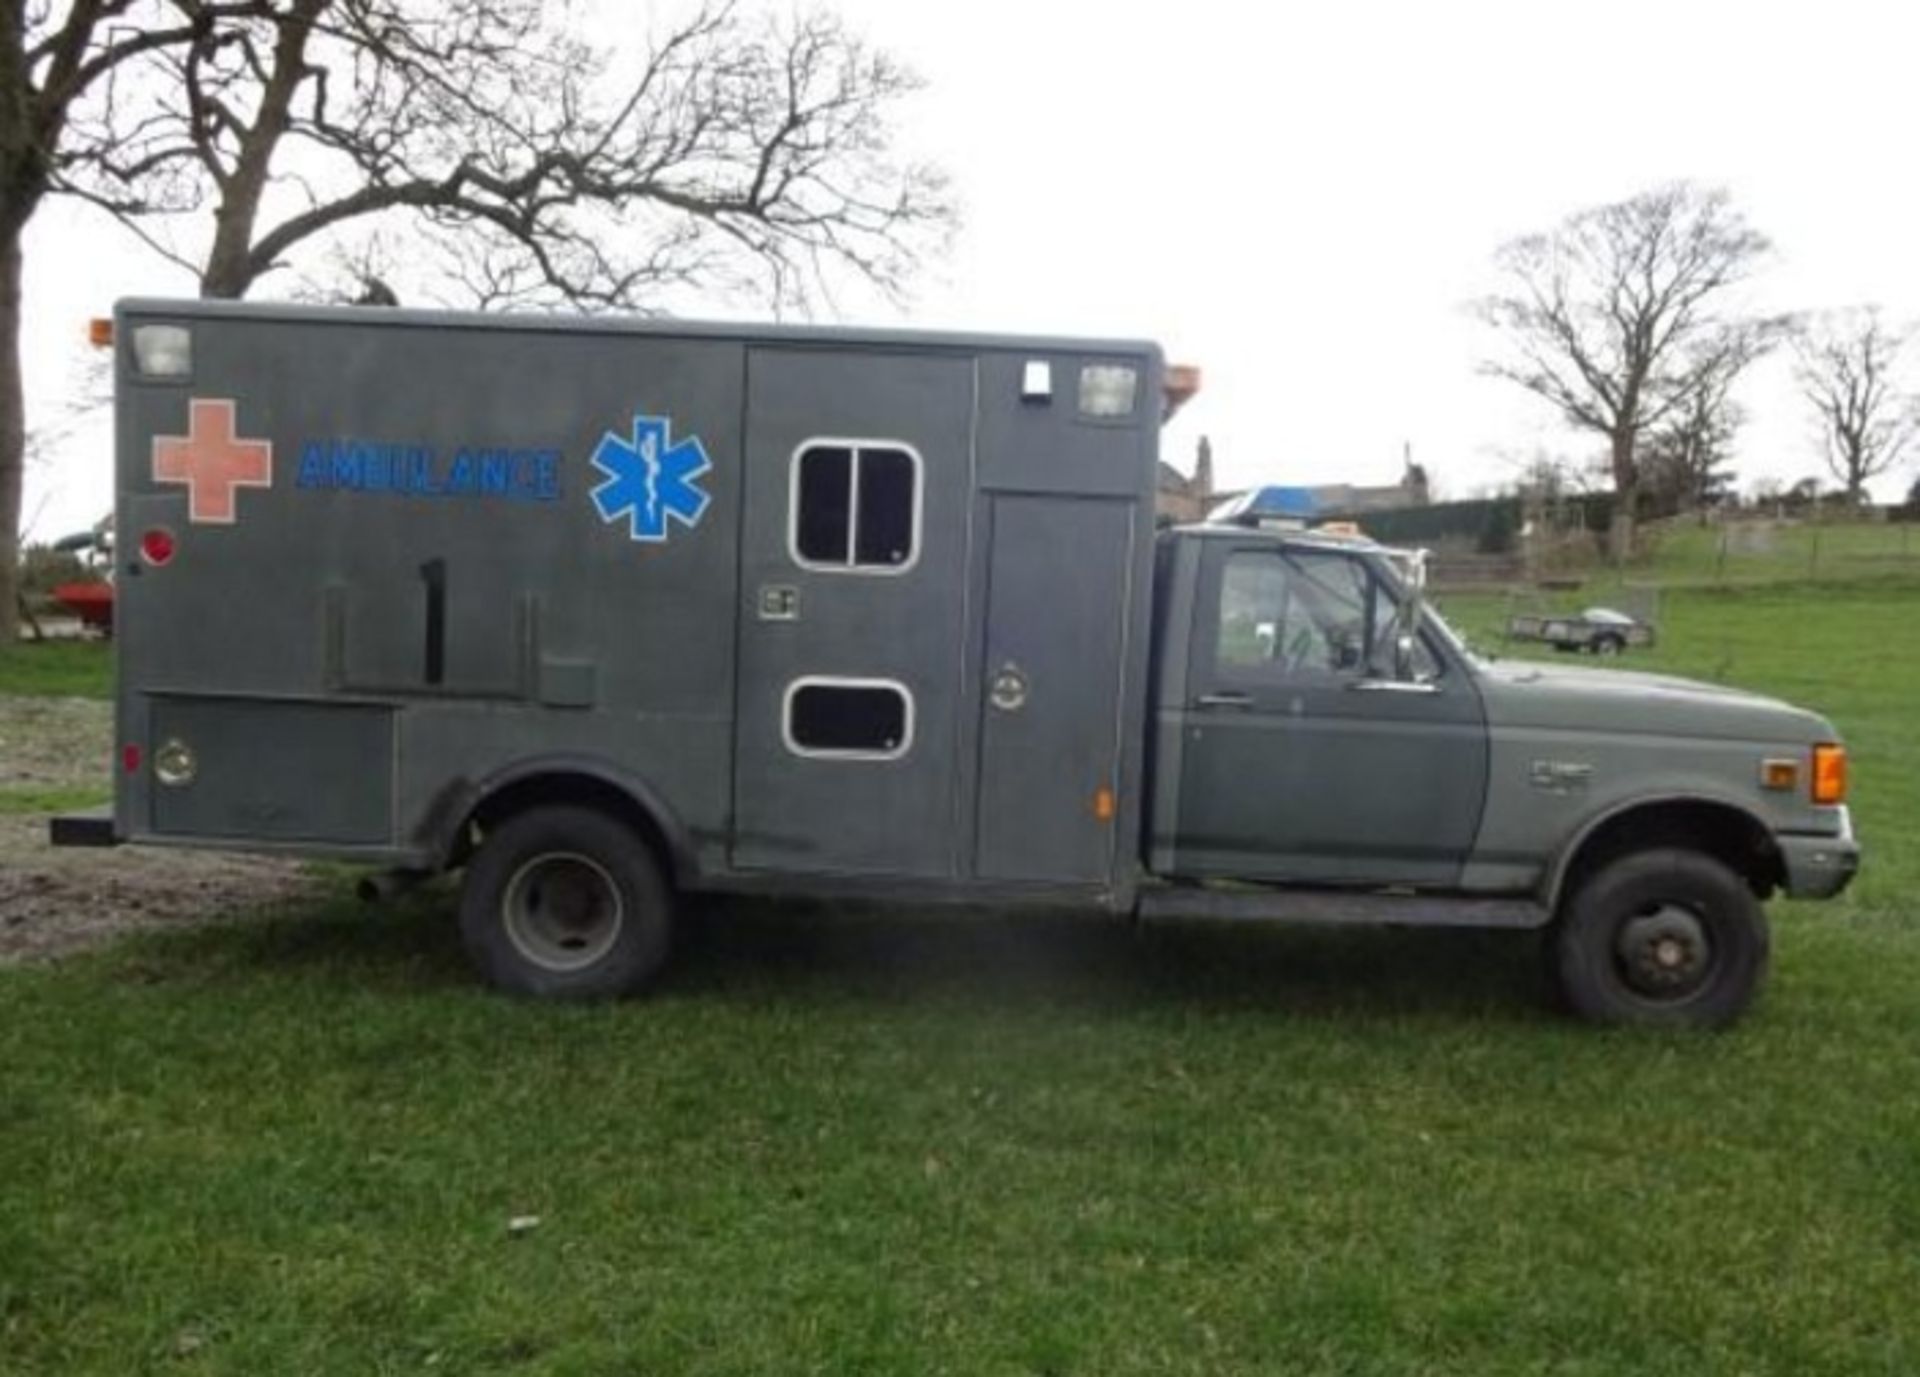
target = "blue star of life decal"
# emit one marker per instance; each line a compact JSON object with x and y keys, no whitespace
{"x":651,"y":478}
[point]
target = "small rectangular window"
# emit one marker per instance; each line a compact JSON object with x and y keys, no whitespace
{"x":824,"y":507}
{"x":866,"y":719}
{"x":856,"y":505}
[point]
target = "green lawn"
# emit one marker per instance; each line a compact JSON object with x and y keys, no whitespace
{"x":913,"y":1143}
{"x":35,"y":800}
{"x":76,"y":669}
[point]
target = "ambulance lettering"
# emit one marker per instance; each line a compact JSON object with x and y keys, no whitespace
{"x":348,"y":464}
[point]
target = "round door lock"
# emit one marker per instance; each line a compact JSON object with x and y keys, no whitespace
{"x":1009,"y":689}
{"x":174,"y":764}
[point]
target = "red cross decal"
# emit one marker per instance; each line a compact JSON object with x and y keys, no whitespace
{"x":212,"y":461}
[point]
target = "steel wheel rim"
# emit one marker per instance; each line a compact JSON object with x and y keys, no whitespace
{"x":1664,"y":953}
{"x":562,"y":911}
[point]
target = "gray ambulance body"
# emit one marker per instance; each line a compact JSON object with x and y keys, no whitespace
{"x":607,"y":611}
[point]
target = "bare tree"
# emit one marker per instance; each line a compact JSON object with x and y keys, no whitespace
{"x":1847,"y":366}
{"x":1687,"y":458}
{"x":739,"y":154}
{"x":54,"y":58}
{"x":1616,"y":318}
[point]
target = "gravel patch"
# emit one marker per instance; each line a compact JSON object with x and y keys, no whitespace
{"x":56,"y":901}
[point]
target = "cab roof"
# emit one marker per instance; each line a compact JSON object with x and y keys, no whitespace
{"x":1306,"y":539}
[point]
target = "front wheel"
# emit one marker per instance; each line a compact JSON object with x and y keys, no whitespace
{"x":1664,"y":938}
{"x":566,"y":903}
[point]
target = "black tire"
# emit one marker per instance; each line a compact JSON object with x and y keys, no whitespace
{"x":1667,"y":938}
{"x":566,"y":903}
{"x":1609,"y":644}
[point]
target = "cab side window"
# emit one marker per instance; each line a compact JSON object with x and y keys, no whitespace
{"x":1305,"y":614}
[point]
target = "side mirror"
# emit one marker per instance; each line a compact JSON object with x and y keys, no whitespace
{"x":1403,"y":655}
{"x":1407,"y":617}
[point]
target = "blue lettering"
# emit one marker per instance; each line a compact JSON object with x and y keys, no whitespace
{"x":460,"y":475}
{"x":313,"y":465}
{"x":349,"y":462}
{"x":355,"y":465}
{"x":496,"y":472}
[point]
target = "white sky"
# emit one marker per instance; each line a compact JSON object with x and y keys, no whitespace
{"x":1301,"y":198}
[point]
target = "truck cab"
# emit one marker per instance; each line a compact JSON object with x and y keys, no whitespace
{"x":1323,"y":742}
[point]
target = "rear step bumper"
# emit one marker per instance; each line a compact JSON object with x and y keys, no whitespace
{"x":93,"y":828}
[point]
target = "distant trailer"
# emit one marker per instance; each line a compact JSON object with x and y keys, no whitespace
{"x":1598,"y":631}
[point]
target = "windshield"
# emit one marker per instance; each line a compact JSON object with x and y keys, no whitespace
{"x":1453,"y":638}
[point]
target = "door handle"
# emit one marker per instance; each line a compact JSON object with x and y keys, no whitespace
{"x":1224,"y":700}
{"x":1007,"y":690}
{"x":1392,"y":686}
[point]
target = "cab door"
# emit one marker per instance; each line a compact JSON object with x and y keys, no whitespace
{"x":1301,"y":757}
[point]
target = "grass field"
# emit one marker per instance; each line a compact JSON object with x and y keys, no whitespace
{"x":912,"y":1143}
{"x":72,"y":668}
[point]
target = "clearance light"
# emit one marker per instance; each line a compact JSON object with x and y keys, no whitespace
{"x":156,"y":545}
{"x":130,"y":759}
{"x":100,"y":332}
{"x":1103,"y":804}
{"x":1182,"y":385}
{"x":1106,"y":389}
{"x":163,"y":351}
{"x":1830,"y":773}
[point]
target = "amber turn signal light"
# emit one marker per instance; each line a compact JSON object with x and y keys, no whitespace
{"x":1830,"y":774}
{"x":100,"y":332}
{"x":1782,"y":775}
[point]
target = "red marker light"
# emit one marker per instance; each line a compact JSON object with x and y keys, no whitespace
{"x":130,"y":759}
{"x":156,"y":545}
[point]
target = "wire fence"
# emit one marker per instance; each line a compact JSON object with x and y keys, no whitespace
{"x":1687,"y":553}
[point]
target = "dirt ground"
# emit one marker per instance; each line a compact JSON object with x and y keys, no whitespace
{"x":57,"y":901}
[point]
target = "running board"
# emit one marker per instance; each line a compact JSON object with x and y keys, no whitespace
{"x":1338,"y":906}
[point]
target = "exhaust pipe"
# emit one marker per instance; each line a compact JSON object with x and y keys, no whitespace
{"x":385,"y":886}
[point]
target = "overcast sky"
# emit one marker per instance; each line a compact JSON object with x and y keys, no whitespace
{"x":1302,"y":198}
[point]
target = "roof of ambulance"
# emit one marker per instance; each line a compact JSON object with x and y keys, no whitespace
{"x":657,"y":326}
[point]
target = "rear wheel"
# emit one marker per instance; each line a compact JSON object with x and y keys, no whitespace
{"x":567,"y":903}
{"x":1666,"y":938}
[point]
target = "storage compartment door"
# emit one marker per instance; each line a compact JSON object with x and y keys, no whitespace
{"x":1055,"y":647}
{"x":268,"y":770}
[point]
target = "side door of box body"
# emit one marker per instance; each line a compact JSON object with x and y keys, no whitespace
{"x":853,"y":551}
{"x":1056,"y":642}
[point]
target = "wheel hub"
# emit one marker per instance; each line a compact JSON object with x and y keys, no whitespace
{"x":1664,"y":953}
{"x":562,"y":911}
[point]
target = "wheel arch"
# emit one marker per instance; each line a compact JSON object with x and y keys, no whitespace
{"x":583,"y":781}
{"x":1726,"y":831}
